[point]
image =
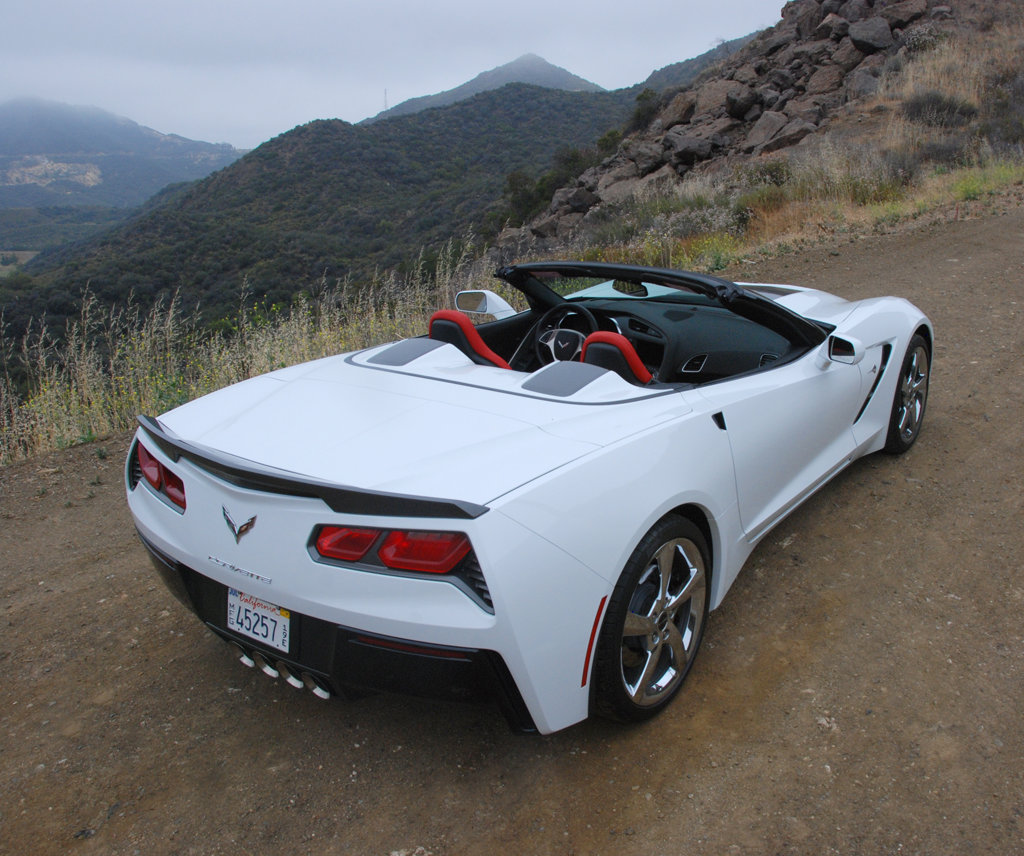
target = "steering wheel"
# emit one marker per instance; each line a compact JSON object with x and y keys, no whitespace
{"x":552,"y":342}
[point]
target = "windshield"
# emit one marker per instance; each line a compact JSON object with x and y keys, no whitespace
{"x":599,"y":287}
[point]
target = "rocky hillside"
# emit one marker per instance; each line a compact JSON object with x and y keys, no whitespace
{"x":782,"y":87}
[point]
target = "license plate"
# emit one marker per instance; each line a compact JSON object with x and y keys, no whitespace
{"x":258,"y":619}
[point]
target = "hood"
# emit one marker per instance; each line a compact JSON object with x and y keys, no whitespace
{"x":439,"y":426}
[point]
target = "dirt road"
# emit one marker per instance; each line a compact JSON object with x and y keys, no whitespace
{"x":860,"y":691}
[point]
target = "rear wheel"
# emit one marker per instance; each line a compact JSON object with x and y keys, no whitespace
{"x":911,"y":398}
{"x":654,"y":624}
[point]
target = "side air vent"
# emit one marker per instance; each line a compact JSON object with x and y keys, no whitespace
{"x":767,"y":359}
{"x":473,"y":576}
{"x":695,"y":364}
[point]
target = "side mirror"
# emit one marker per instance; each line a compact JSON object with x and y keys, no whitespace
{"x":483,"y":303}
{"x":845,"y":350}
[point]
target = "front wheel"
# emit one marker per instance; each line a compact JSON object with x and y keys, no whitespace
{"x":654,"y":624}
{"x":911,"y":397}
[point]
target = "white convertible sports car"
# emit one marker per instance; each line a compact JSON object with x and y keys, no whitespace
{"x":539,"y":509}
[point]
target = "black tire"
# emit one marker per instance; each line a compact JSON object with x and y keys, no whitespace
{"x":663,"y":593}
{"x":911,"y":397}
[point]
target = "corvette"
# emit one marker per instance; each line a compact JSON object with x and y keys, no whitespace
{"x":539,"y":508}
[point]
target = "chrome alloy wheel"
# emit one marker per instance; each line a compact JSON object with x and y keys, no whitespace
{"x":913,"y":394}
{"x":663,"y":622}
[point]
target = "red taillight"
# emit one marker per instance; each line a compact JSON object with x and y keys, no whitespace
{"x":174,"y":487}
{"x":431,"y":552}
{"x":161,"y":479}
{"x":150,"y":467}
{"x":427,"y":552}
{"x":345,"y":543}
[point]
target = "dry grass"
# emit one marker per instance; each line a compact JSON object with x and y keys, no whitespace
{"x":113,"y":366}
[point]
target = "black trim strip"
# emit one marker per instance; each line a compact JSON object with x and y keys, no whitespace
{"x":344,"y":500}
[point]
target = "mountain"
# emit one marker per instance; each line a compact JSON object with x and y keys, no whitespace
{"x":57,"y":154}
{"x":325,"y":198}
{"x":529,"y":68}
{"x":328,"y":199}
{"x":63,"y":169}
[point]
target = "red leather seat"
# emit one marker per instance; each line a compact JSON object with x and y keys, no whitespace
{"x":615,"y":352}
{"x":447,"y":325}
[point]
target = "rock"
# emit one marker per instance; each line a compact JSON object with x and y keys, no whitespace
{"x":791,"y":134}
{"x":828,"y":78}
{"x":813,"y":52}
{"x":680,"y":109}
{"x":846,"y":56}
{"x":778,"y":38}
{"x":871,"y":35}
{"x":901,"y":14}
{"x":805,"y":15}
{"x":855,"y":10}
{"x":576,"y":199}
{"x":711,"y":97}
{"x":833,"y":27}
{"x":860,"y":84}
{"x":739,"y":101}
{"x":942,"y":13}
{"x":686,"y":148}
{"x":770,"y":123}
{"x":748,"y":75}
{"x":545,"y":228}
{"x":647,"y":157}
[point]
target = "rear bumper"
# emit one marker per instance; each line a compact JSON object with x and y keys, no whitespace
{"x":349,"y":662}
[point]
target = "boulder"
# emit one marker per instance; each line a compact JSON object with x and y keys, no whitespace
{"x":646,"y":156}
{"x":833,"y":27}
{"x":860,"y":84}
{"x":871,"y":35}
{"x":901,"y":14}
{"x":770,"y":123}
{"x":680,"y":109}
{"x":739,"y":101}
{"x":813,"y":52}
{"x":804,"y":15}
{"x":576,"y":199}
{"x":685,"y":148}
{"x":711,"y":97}
{"x":846,"y":56}
{"x":855,"y":10}
{"x":828,"y":78}
{"x":791,"y":134}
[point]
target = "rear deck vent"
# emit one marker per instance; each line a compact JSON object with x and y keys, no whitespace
{"x":767,"y":359}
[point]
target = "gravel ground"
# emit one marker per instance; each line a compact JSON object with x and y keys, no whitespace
{"x":860,"y":690}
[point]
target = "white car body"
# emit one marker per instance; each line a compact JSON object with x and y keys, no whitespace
{"x":555,"y":475}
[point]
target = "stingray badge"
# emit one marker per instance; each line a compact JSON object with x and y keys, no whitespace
{"x":238,"y":531}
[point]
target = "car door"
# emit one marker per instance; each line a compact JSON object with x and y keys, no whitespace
{"x":790,"y":429}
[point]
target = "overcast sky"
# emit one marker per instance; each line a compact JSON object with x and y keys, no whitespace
{"x":243,"y":71}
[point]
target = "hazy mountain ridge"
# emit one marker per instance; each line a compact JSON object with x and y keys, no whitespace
{"x":60,"y":155}
{"x":529,"y":68}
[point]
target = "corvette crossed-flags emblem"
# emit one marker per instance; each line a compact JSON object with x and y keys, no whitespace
{"x":238,"y":531}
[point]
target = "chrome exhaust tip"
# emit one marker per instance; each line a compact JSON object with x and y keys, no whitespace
{"x":243,"y":657}
{"x":289,"y":678}
{"x":314,"y":686}
{"x":265,"y":667}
